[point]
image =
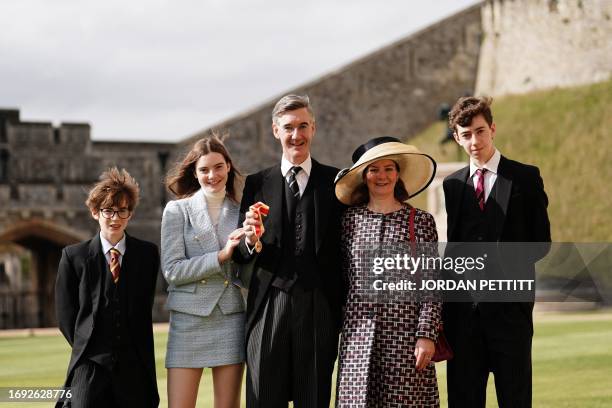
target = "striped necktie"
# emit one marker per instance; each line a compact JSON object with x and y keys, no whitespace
{"x":480,"y":190}
{"x":292,"y":182}
{"x":115,"y":268}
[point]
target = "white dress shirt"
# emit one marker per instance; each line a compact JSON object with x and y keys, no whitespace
{"x":490,"y":175}
{"x":107,"y":246}
{"x":302,"y":176}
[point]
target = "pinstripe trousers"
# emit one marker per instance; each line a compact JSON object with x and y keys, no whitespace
{"x":91,"y":386}
{"x":94,"y":386}
{"x":291,"y":351}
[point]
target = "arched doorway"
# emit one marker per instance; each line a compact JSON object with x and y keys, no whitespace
{"x":30,"y":252}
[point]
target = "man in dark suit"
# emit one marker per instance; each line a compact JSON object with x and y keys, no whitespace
{"x":104,"y":295}
{"x":296,"y":291}
{"x":494,"y":199}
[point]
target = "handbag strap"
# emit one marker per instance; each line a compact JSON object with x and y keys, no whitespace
{"x":411,"y":226}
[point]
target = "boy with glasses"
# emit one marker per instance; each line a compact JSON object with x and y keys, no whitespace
{"x":104,"y":295}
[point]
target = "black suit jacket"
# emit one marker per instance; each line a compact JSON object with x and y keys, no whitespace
{"x":77,"y":296}
{"x":520,"y":196}
{"x":523,"y":218}
{"x":267,"y":186}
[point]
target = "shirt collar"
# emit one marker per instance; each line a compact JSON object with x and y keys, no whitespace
{"x":286,"y":165}
{"x":491,"y":165}
{"x":106,"y":246}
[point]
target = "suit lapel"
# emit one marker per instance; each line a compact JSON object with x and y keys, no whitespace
{"x":229,"y":211}
{"x":272,"y":195}
{"x":131,"y":271}
{"x":458,"y":193}
{"x":200,"y":220}
{"x":226,"y":211}
{"x":502,"y":193}
{"x":322,"y":203}
{"x":97,"y":268}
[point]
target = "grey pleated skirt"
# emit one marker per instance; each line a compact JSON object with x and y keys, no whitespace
{"x":210,"y":341}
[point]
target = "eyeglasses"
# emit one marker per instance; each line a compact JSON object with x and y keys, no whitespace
{"x":123,"y":213}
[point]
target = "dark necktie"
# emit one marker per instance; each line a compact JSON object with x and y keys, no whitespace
{"x":115,"y":268}
{"x":480,"y":190}
{"x":292,"y":182}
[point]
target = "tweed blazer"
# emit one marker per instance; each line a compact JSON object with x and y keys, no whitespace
{"x":189,"y":246}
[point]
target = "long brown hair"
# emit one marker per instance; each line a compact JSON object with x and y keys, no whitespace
{"x":181,"y":179}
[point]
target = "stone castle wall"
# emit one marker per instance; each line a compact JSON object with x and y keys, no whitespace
{"x":537,"y":44}
{"x":49,"y":171}
{"x":45,"y":175}
{"x":395,"y":91}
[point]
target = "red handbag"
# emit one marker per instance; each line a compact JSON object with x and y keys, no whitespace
{"x":443,"y":349}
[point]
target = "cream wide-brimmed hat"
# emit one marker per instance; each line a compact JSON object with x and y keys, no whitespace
{"x":417,"y":169}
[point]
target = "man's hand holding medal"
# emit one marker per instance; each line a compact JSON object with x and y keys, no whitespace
{"x":253,"y":224}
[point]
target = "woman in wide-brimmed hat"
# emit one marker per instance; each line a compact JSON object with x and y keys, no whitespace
{"x":387,"y":341}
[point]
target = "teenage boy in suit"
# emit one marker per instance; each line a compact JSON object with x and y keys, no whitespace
{"x":493,"y":199}
{"x":296,"y":291}
{"x":104,"y":295}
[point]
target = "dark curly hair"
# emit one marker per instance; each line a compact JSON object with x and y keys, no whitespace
{"x":466,"y":108}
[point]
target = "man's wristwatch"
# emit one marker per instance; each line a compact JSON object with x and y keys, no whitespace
{"x":258,"y":246}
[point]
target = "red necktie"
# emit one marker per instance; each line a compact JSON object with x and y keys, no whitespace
{"x":480,"y":191}
{"x":115,"y":268}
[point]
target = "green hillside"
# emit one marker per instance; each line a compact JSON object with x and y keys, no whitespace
{"x":567,"y":133}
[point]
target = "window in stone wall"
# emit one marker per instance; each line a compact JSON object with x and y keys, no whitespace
{"x":4,"y":279}
{"x":4,"y":158}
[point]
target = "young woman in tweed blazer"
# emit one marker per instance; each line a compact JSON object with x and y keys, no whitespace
{"x":198,"y":237}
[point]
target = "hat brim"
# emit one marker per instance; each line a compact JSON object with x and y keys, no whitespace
{"x":417,"y":170}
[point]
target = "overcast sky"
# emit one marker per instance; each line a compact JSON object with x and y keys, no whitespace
{"x":157,"y":70}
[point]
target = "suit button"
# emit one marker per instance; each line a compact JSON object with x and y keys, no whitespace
{"x":203,"y":281}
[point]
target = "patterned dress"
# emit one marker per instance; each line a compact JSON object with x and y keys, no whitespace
{"x":377,"y":362}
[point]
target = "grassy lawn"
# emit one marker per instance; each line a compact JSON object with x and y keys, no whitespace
{"x":572,"y":363}
{"x":41,"y":361}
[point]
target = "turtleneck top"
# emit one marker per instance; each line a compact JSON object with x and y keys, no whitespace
{"x":214,"y":202}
